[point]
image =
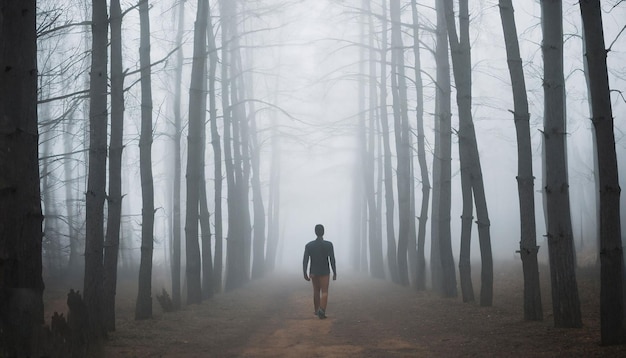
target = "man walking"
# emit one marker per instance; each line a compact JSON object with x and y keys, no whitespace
{"x":320,"y":252}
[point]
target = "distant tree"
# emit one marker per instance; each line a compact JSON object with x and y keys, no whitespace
{"x":114,"y":198}
{"x":96,"y":181}
{"x":176,"y":219}
{"x":217,"y":159}
{"x":21,"y":283}
{"x":611,"y":253}
{"x":197,"y":115}
{"x":525,"y":179}
{"x":565,"y":299}
{"x":420,"y":274}
{"x":402,"y":134}
{"x":143,"y":309}
{"x":392,"y":254}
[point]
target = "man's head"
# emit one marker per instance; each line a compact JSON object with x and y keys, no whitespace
{"x":319,"y":230}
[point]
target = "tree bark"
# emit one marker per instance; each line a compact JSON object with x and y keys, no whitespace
{"x":565,"y":299}
{"x":21,"y":283}
{"x":611,"y":255}
{"x":525,"y":179}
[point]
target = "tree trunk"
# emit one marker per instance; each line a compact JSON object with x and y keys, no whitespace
{"x":565,"y":300}
{"x":442,"y":266}
{"x":96,"y":182}
{"x":143,"y":309}
{"x":402,"y":132}
{"x":611,"y":256}
{"x":114,"y":198}
{"x":392,"y":261}
{"x":217,"y":160}
{"x":420,"y":274}
{"x":525,"y":178}
{"x":195,"y":147}
{"x":176,"y":220}
{"x":21,"y":283}
{"x":468,"y":148}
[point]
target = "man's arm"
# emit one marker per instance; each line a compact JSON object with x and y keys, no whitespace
{"x":332,"y":261}
{"x":305,"y":262}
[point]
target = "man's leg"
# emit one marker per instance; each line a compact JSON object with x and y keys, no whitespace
{"x":316,"y":291}
{"x":323,"y":281}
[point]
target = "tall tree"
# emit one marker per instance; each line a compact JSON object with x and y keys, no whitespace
{"x":217,"y":159}
{"x":525,"y":179}
{"x":96,"y":181}
{"x":114,"y":198}
{"x":392,"y":255}
{"x":176,"y":219}
{"x":611,"y":254}
{"x":402,"y":133}
{"x":471,"y":172}
{"x":442,"y":259}
{"x":21,"y":283}
{"x":420,"y":274}
{"x":565,"y":299}
{"x":143,"y":309}
{"x":195,"y":147}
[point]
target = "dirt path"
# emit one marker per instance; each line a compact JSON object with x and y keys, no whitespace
{"x":274,"y":317}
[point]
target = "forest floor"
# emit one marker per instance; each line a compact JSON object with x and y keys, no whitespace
{"x":273,"y":317}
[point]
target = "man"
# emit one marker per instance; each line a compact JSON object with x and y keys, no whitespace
{"x":320,"y":252}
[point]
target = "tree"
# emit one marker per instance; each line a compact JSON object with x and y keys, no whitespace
{"x":611,"y":255}
{"x":114,"y":198}
{"x":402,"y":133}
{"x":21,"y":283}
{"x":96,"y":181}
{"x":528,"y":242}
{"x":143,"y":309}
{"x":420,"y":274}
{"x":197,"y":115}
{"x":471,"y":172}
{"x":392,"y":255}
{"x":176,"y":224}
{"x":565,"y":300}
{"x":442,"y":260}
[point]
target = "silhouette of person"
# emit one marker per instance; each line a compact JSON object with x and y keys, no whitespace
{"x":320,"y":252}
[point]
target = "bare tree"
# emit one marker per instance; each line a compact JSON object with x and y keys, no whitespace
{"x":525,"y":179}
{"x":611,"y":254}
{"x":21,"y":283}
{"x":197,"y":115}
{"x":96,"y":182}
{"x":143,"y":309}
{"x":114,"y":198}
{"x":565,"y":300}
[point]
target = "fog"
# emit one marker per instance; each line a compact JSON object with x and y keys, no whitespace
{"x":303,"y":65}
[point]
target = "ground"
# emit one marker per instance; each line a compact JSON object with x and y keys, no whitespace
{"x":273,"y":317}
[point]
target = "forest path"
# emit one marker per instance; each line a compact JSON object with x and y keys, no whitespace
{"x":273,"y":317}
